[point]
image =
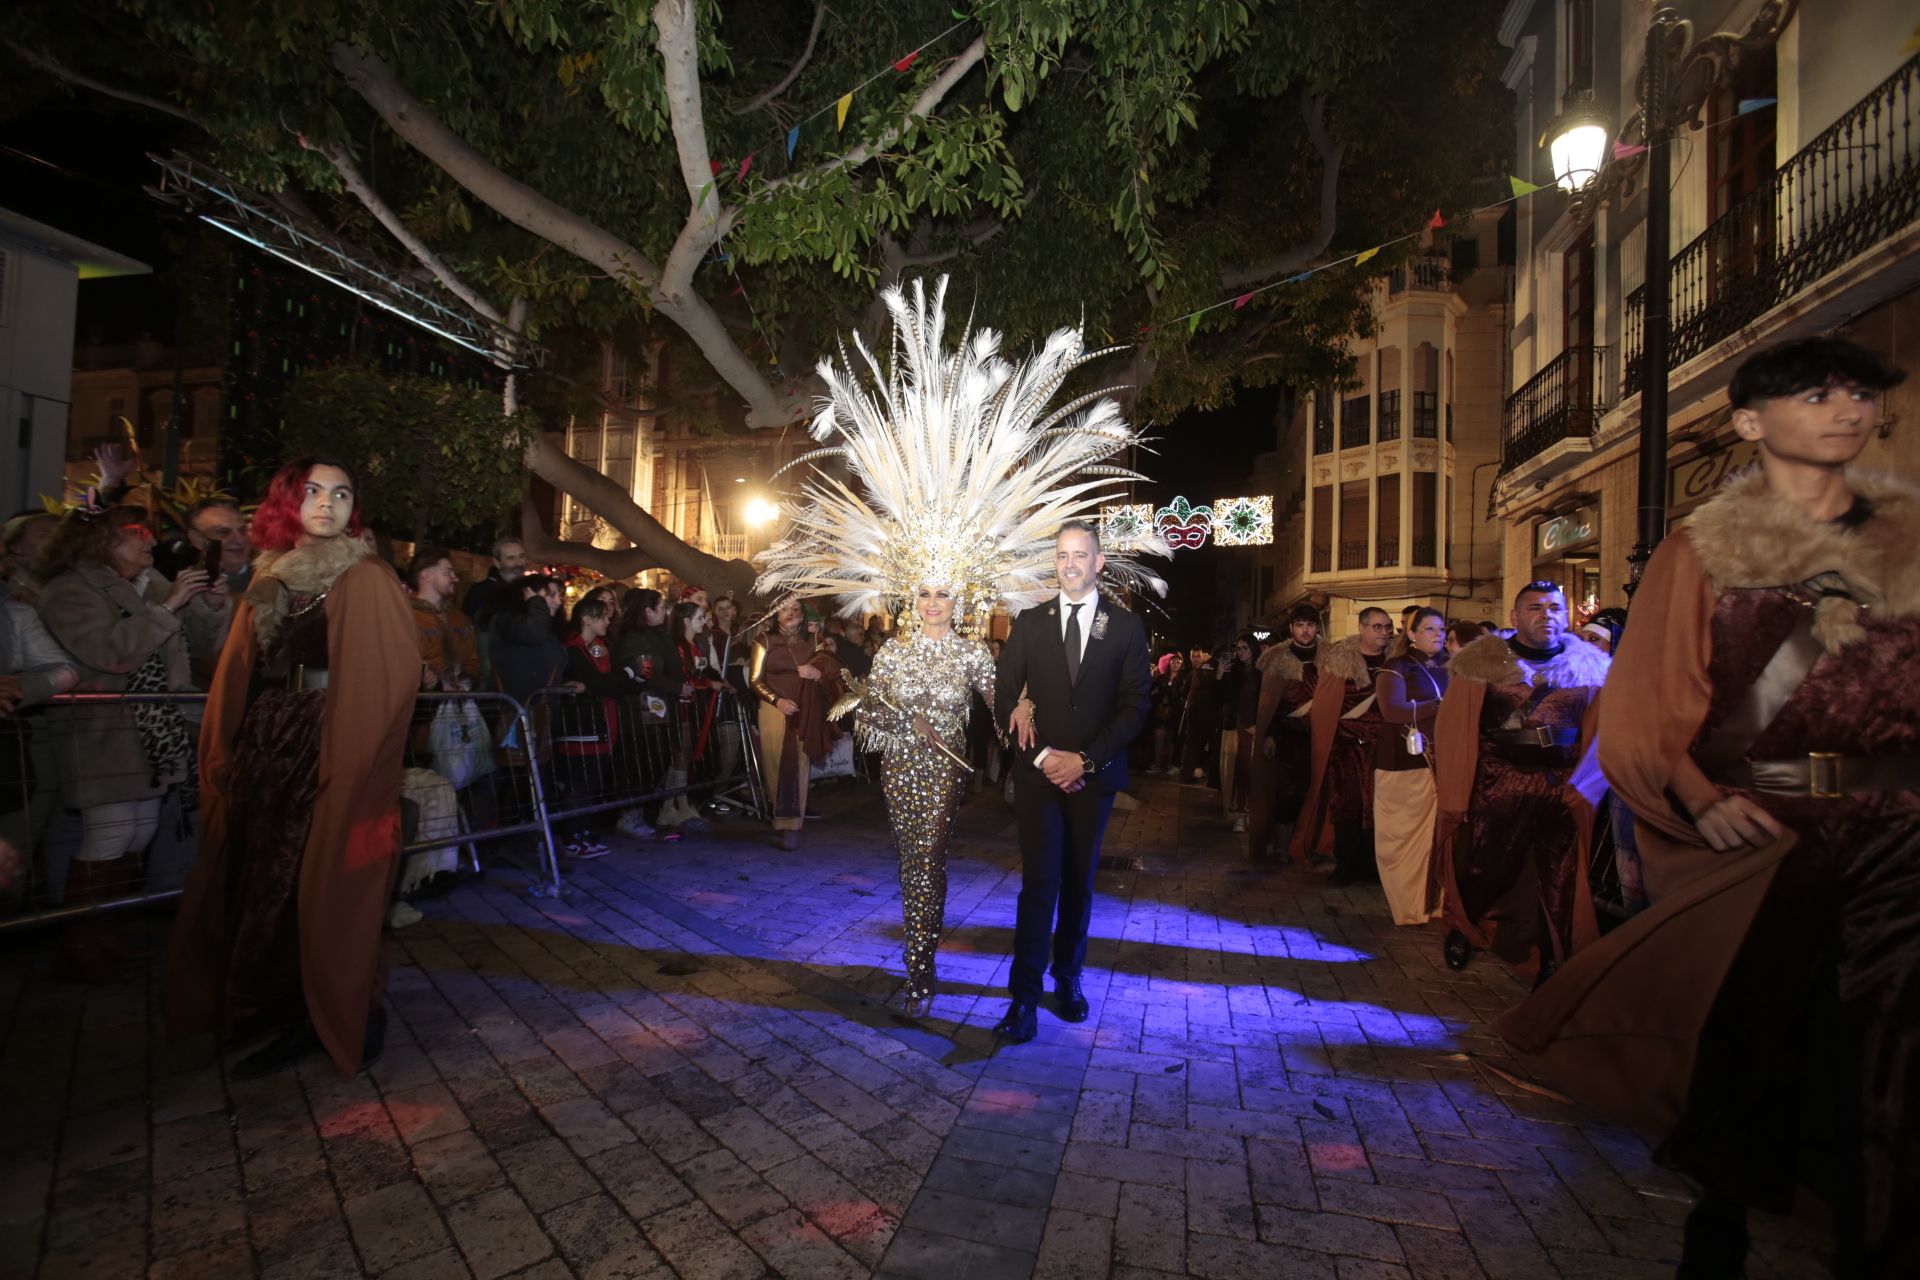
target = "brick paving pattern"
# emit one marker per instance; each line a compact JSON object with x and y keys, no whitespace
{"x":685,"y":1069}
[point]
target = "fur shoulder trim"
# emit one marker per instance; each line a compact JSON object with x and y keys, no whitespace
{"x":1745,"y":537}
{"x":1489,"y":660}
{"x":1343,"y":658}
{"x":307,"y":571}
{"x":1280,"y":663}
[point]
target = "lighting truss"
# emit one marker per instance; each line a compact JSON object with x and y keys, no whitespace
{"x":245,"y":214}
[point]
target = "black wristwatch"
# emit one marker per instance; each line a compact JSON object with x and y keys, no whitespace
{"x":1086,"y":762}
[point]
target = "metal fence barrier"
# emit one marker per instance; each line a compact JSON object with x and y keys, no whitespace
{"x":638,"y":751}
{"x":64,"y":763}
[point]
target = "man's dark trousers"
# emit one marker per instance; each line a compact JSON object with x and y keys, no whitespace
{"x":1060,"y":848}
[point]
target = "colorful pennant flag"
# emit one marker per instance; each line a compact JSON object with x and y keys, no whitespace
{"x":1193,"y":323}
{"x":714,"y":166}
{"x":1242,"y":300}
{"x":1436,"y":221}
{"x":744,"y":166}
{"x":1753,"y":104}
{"x":1913,"y":42}
{"x":1522,"y":188}
{"x":1621,"y":150}
{"x":840,"y":110}
{"x":907,"y":61}
{"x":793,"y":140}
{"x":1368,"y":256}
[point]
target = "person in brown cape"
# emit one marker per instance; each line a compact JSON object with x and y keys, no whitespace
{"x":1511,"y":838}
{"x":1336,"y":815}
{"x":1284,"y":740}
{"x":795,"y":679}
{"x":300,"y":764}
{"x":1762,"y":1016}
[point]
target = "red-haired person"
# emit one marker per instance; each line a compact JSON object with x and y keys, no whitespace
{"x":279,"y":929}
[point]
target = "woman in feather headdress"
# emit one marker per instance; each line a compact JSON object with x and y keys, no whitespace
{"x":958,"y":477}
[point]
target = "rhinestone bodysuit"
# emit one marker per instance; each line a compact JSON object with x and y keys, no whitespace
{"x":933,"y":679}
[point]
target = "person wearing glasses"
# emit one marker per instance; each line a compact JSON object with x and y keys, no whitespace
{"x":1762,"y":1016}
{"x":1512,"y":834}
{"x":1337,"y":814}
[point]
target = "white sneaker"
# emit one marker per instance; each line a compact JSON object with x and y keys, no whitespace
{"x":634,"y":823}
{"x":1240,"y":826}
{"x":402,"y":914}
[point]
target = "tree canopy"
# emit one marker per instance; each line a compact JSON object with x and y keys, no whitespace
{"x":610,"y":162}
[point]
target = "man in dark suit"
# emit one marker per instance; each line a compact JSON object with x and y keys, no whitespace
{"x":1074,"y":689}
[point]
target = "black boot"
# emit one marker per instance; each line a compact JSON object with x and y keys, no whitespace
{"x":1715,"y":1240}
{"x":1457,"y":950}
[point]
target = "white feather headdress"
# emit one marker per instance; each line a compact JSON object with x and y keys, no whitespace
{"x":958,"y":473}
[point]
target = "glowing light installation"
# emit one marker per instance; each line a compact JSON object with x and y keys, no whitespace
{"x":1243,"y":522}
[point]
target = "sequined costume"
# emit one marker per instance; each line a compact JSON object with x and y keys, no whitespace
{"x":954,"y":470}
{"x":922,"y":784}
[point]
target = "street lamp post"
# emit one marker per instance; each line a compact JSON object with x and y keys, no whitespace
{"x":1657,"y":115}
{"x":1577,"y":143}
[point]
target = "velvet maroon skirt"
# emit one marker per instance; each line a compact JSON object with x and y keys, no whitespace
{"x":276,"y":778}
{"x":1808,"y":1068}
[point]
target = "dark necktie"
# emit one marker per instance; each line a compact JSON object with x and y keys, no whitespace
{"x":1073,"y":644}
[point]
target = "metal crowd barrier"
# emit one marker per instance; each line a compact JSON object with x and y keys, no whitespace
{"x":50,"y":759}
{"x":634,"y":752}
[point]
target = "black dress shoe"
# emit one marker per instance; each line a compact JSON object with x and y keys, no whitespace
{"x":1021,"y":1024}
{"x":1457,"y":950}
{"x":1068,"y":1000}
{"x":278,"y":1054}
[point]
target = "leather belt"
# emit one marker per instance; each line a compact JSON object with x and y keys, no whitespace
{"x":1537,"y":736}
{"x":1824,"y":775}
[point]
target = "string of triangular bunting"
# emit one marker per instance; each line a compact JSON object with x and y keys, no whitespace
{"x":1519,"y":187}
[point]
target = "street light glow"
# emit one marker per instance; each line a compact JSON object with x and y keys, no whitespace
{"x":759,"y":511}
{"x":1577,"y":142}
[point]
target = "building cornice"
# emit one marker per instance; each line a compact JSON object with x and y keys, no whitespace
{"x":1514,"y":17}
{"x":1520,"y":63}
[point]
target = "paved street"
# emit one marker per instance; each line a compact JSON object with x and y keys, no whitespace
{"x":686,"y":1069}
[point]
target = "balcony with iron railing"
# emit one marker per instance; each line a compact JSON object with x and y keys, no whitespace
{"x":1430,"y":273}
{"x":1353,"y":555}
{"x":1563,"y":401}
{"x":1855,"y":185}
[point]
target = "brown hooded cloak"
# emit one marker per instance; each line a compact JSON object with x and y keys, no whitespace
{"x":353,"y":835}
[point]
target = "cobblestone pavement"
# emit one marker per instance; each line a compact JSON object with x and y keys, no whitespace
{"x":685,"y":1068}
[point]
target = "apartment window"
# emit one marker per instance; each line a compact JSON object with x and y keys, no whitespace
{"x":1426,"y":392}
{"x":1389,"y":415}
{"x":1426,"y":523}
{"x":1354,"y":428}
{"x":1353,"y":524}
{"x":1740,"y":161}
{"x":1579,"y":16}
{"x":1322,"y":528}
{"x":1386,"y":542}
{"x":1449,"y":397}
{"x":1426,"y":415}
{"x":1323,"y":420}
{"x":1387,"y":378}
{"x":1446,"y":543}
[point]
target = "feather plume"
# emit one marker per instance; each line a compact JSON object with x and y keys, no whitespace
{"x":959,"y":474}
